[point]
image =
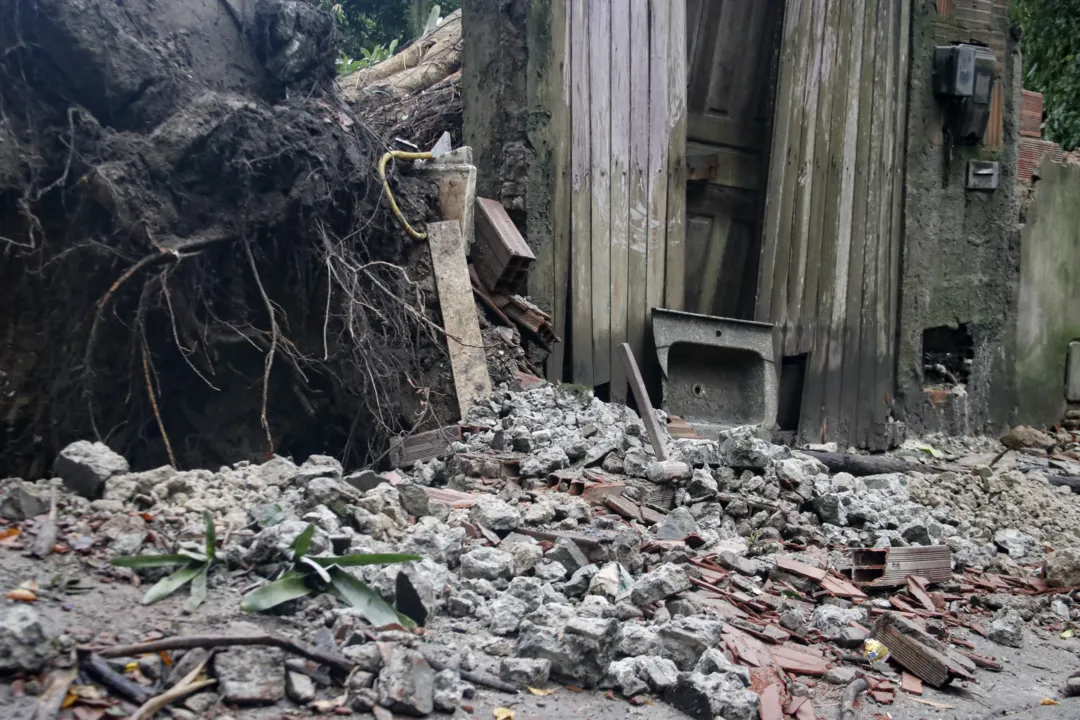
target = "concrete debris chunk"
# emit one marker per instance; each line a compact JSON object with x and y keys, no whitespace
{"x":677,"y":524}
{"x":24,"y":646}
{"x":21,"y":501}
{"x":663,"y":582}
{"x":85,"y":466}
{"x":668,"y":471}
{"x":487,"y":564}
{"x":407,"y":683}
{"x":1017,"y":544}
{"x":525,"y":671}
{"x":705,"y":697}
{"x":494,"y":514}
{"x":448,"y":691}
{"x":299,"y":687}
{"x":567,"y":553}
{"x":1062,"y":567}
{"x":251,"y":676}
{"x":1007,"y":628}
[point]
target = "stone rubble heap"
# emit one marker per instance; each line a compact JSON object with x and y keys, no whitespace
{"x":544,"y":584}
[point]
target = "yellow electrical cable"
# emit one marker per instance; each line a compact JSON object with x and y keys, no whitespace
{"x":401,"y":155}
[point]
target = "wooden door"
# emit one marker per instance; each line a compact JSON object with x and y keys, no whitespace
{"x":731,"y":59}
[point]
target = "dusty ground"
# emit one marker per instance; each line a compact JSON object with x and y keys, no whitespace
{"x":111,"y":608}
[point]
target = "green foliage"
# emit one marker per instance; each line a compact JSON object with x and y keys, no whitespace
{"x":374,"y":56}
{"x":195,"y":559}
{"x":371,"y":24}
{"x":314,"y":575}
{"x":1051,"y":47}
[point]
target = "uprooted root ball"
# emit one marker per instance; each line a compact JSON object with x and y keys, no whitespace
{"x":197,"y":261}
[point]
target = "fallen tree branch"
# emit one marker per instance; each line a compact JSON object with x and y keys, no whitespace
{"x":407,"y":59}
{"x":860,"y":465}
{"x":847,"y":703}
{"x":97,"y":668}
{"x":188,"y":642}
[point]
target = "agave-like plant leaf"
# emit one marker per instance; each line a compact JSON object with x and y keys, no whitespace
{"x":275,"y":593}
{"x":150,"y":561}
{"x":198,"y":590}
{"x":357,"y":559}
{"x":303,"y":542}
{"x":211,"y":535}
{"x":167,"y":586}
{"x":356,"y":593}
{"x":319,"y":570}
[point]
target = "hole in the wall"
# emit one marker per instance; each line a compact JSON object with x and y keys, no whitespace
{"x":789,"y":396}
{"x":699,"y":390}
{"x":948,"y":354}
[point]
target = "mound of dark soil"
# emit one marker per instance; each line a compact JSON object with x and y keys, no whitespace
{"x":196,"y":258}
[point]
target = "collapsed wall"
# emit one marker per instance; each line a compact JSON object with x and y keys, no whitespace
{"x":197,"y":262}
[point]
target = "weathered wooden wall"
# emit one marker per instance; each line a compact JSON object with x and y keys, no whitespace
{"x":619,"y":171}
{"x":830,"y":258}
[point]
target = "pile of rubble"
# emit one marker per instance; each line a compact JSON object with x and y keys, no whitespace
{"x":555,"y":540}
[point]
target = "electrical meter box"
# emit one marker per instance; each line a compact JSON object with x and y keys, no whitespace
{"x":964,"y":81}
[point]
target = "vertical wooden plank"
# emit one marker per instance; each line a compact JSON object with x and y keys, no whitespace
{"x":800,"y":237}
{"x":792,"y":159}
{"x":778,"y":165}
{"x":869,"y":335}
{"x":620,"y":200}
{"x":821,"y":191}
{"x":675,"y":264}
{"x":659,"y":17}
{"x":876,"y":400}
{"x":466,"y":348}
{"x":832,"y":372}
{"x":849,"y":388}
{"x":581,"y":199}
{"x":819,"y":304}
{"x":559,"y":96}
{"x":600,"y":123}
{"x":636,"y":310}
{"x":896,"y":233}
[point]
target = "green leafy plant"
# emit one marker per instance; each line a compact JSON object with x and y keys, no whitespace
{"x":368,"y":57}
{"x":1051,"y":50}
{"x":313,"y":575}
{"x":195,"y":560}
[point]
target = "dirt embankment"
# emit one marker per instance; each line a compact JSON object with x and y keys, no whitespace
{"x":196,"y":260}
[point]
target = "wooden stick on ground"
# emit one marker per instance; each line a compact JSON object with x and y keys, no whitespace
{"x":185,"y":687}
{"x":641,"y":396}
{"x":474,"y":678}
{"x":98,"y":669}
{"x":335,"y":661}
{"x":48,"y":705}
